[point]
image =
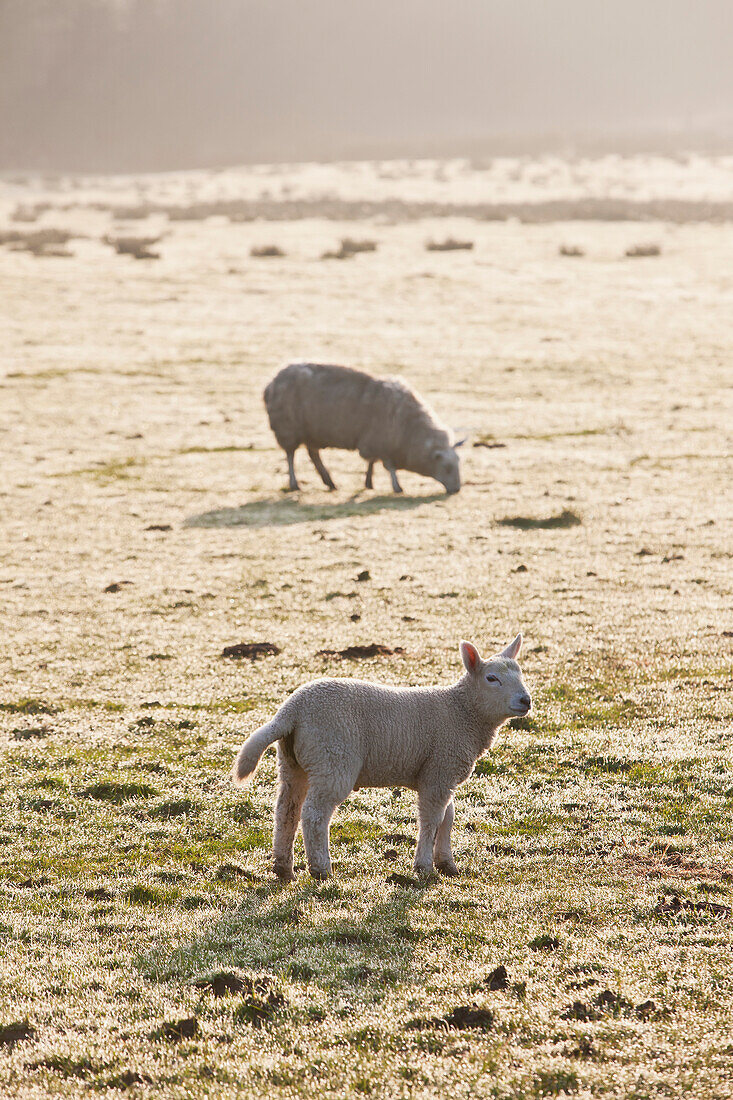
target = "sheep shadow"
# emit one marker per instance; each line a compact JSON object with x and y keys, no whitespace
{"x":276,"y":512}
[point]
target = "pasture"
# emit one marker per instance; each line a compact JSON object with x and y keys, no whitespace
{"x":585,"y":949}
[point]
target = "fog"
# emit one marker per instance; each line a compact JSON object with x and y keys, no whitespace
{"x":158,"y":84}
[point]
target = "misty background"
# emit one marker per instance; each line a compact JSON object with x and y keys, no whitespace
{"x":131,"y":85}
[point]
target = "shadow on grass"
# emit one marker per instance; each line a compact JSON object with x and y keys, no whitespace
{"x":276,"y":512}
{"x":271,"y":931}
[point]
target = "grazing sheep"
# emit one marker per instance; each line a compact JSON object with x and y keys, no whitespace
{"x":335,"y":736}
{"x":382,"y":419}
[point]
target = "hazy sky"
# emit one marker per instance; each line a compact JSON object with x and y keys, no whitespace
{"x":115,"y":84}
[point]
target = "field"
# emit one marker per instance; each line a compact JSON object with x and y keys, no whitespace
{"x":585,"y":949}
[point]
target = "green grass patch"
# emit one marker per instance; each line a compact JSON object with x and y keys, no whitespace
{"x":111,"y":790}
{"x":29,"y":706}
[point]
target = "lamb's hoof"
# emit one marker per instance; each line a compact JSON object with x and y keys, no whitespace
{"x":448,"y":869}
{"x":284,"y":874}
{"x":423,"y":872}
{"x":319,"y":876}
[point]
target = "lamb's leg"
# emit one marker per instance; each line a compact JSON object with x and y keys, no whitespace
{"x":315,"y":457}
{"x":432,"y":803}
{"x":442,"y":851}
{"x":316,"y":817}
{"x":393,"y":474}
{"x":293,"y":486}
{"x":370,"y":471}
{"x":293,"y":788}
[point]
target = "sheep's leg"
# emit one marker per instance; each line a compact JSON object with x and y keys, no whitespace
{"x":293,"y":788}
{"x":315,"y":457}
{"x":369,"y":480}
{"x":442,"y":851}
{"x":318,"y":810}
{"x":393,"y":474}
{"x":293,"y":486}
{"x":432,"y":806}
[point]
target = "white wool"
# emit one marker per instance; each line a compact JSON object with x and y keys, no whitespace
{"x":335,"y":736}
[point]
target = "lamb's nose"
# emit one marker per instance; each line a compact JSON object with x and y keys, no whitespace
{"x":525,"y":701}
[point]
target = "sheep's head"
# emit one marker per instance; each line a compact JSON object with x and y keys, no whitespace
{"x":446,"y":467}
{"x":496,"y":687}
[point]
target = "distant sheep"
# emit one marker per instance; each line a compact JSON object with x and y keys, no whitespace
{"x":335,"y":736}
{"x":383,"y":419}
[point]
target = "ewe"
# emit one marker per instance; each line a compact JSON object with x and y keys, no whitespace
{"x":381,"y":418}
{"x":335,"y":736}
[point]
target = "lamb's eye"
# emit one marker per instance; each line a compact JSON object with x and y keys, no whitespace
{"x":493,"y":679}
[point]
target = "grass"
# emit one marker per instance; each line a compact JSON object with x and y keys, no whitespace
{"x":147,"y":949}
{"x":28,"y":706}
{"x":148,"y":881}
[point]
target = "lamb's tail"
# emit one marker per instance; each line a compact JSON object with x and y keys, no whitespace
{"x":253,"y":748}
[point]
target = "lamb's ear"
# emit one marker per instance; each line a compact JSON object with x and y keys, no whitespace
{"x":513,"y":649}
{"x":470,"y":656}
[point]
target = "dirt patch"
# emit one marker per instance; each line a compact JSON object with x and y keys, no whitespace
{"x":673,"y":904}
{"x":224,"y":983}
{"x":361,"y":652}
{"x":566,"y":518}
{"x":250,"y":650}
{"x":401,"y":880}
{"x":349,"y":248}
{"x":178,"y":1030}
{"x":544,"y":943}
{"x":608,"y":1003}
{"x":638,"y":251}
{"x":17,"y":1032}
{"x":497,"y":979}
{"x":450,"y":244}
{"x":33,"y":733}
{"x":140,"y":248}
{"x":261,"y":1004}
{"x":461,"y":1018}
{"x":671,"y":864}
{"x":99,"y":893}
{"x":39,"y":242}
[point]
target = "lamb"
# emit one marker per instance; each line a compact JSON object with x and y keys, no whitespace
{"x":383,"y":419}
{"x":337,"y":735}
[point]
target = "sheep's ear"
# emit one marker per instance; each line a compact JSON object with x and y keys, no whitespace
{"x":513,"y":649}
{"x":470,"y":656}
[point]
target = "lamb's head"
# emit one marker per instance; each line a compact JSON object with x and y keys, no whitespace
{"x":496,"y":688}
{"x":445,"y":467}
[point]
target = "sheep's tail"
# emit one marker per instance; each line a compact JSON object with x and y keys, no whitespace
{"x":253,"y":748}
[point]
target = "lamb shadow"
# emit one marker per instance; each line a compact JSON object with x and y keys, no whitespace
{"x":271,"y":931}
{"x":282,"y":512}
